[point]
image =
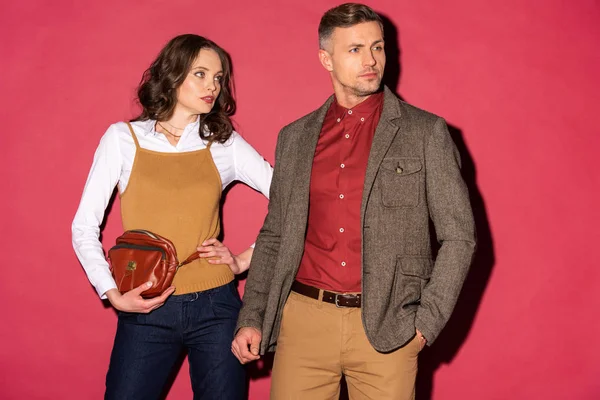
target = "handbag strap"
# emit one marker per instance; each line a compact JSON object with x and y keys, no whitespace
{"x":188,"y":260}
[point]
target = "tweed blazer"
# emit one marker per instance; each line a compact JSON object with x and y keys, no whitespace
{"x":412,"y":184}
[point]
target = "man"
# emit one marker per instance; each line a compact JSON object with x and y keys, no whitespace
{"x":342,"y":278}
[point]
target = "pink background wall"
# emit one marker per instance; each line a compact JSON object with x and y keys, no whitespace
{"x":517,"y":79}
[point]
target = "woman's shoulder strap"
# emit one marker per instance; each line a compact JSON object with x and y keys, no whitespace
{"x":137,"y":144}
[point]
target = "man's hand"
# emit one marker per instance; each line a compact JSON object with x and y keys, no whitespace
{"x":133,"y":302}
{"x":245,"y":345}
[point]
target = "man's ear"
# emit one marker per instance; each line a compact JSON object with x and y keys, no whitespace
{"x":325,"y":59}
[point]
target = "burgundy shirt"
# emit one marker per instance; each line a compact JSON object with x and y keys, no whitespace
{"x":332,"y":251}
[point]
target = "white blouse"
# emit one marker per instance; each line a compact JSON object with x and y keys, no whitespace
{"x":235,"y":159}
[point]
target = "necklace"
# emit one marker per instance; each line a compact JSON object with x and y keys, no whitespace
{"x":173,"y":126}
{"x":177,"y":137}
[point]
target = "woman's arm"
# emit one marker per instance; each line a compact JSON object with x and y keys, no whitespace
{"x":102,"y":179}
{"x":101,"y":182}
{"x":250,"y":167}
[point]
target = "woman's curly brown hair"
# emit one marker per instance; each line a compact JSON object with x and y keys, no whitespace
{"x":157,"y":93}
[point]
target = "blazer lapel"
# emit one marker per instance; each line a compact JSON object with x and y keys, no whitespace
{"x":384,"y":135}
{"x":305,"y":153}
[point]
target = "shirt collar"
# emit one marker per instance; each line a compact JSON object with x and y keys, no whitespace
{"x":362,"y":110}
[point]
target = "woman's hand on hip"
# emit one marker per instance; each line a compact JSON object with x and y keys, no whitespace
{"x":218,"y":253}
{"x":132,"y":301}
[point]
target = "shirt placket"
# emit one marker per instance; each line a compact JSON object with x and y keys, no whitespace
{"x":344,"y":168}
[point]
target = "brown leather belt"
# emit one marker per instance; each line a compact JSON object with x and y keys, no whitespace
{"x":340,"y":300}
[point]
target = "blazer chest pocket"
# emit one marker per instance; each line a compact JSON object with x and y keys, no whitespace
{"x":399,"y":181}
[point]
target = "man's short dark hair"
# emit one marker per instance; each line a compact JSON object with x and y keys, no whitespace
{"x":344,"y":16}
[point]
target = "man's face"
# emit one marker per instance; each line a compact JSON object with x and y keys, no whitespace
{"x":355,"y":57}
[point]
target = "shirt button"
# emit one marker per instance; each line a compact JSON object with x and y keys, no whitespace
{"x":339,"y":119}
{"x":341,"y":196}
{"x":342,"y":165}
{"x":341,"y":230}
{"x":349,"y":111}
{"x":362,"y":120}
{"x":343,"y":263}
{"x":347,"y":136}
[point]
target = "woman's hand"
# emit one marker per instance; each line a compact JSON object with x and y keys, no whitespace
{"x":218,"y":253}
{"x":133,"y":302}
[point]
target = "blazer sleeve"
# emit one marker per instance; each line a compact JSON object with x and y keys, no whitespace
{"x":266,"y":252}
{"x":450,"y":211}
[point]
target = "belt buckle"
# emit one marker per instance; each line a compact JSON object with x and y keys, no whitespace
{"x":337,"y":304}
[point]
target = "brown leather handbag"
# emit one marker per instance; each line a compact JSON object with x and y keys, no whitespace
{"x":141,"y":256}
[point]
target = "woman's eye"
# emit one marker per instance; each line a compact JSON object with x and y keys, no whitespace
{"x":218,"y":78}
{"x":199,"y":74}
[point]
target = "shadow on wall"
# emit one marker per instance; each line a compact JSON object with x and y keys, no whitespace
{"x":456,"y":331}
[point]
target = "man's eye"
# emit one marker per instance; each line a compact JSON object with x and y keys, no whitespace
{"x":354,"y":50}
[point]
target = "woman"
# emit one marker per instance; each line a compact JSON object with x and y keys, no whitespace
{"x":171,"y":165}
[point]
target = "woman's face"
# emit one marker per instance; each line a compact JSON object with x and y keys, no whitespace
{"x":202,"y":85}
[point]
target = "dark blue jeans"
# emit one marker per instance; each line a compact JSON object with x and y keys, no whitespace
{"x":147,"y":347}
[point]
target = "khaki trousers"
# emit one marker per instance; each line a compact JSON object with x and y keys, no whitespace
{"x":318,"y":342}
